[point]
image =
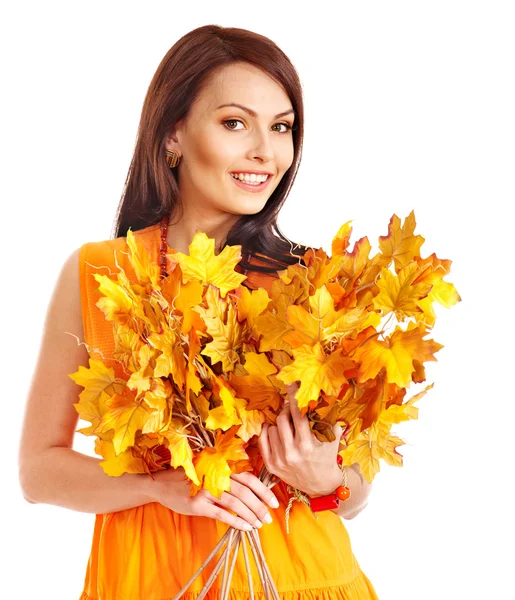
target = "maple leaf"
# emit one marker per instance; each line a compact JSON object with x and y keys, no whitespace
{"x":185,"y":296}
{"x":181,"y":452}
{"x":370,"y":446}
{"x":432,"y":270}
{"x":147,"y":270}
{"x":316,"y":371}
{"x":95,"y":379}
{"x":224,"y":416}
{"x":323,"y":322}
{"x":124,"y":416}
{"x":159,"y":399}
{"x":114,"y":464}
{"x":99,"y":382}
{"x":213,"y":464}
{"x":251,"y":420}
{"x":145,"y":361}
{"x":399,"y":294}
{"x":397,"y":413}
{"x":400,"y":244}
{"x":171,"y":360}
{"x":259,"y":392}
{"x":396,"y":354}
{"x":204,"y":266}
{"x":251,"y":304}
{"x":258,"y":364}
{"x":341,"y":240}
{"x":127,"y":346}
{"x":227,"y":334}
{"x":273,"y":327}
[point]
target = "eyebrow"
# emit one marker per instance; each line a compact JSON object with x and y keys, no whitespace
{"x":253,"y":113}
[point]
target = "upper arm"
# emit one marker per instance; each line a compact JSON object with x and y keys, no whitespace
{"x":50,"y":418}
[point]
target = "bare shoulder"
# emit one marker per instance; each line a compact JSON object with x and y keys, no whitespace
{"x":50,"y":418}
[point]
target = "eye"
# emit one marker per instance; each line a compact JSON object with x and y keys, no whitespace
{"x":232,"y":121}
{"x":287,"y":125}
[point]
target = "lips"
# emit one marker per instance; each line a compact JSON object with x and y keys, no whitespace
{"x":251,"y":187}
{"x":251,"y":172}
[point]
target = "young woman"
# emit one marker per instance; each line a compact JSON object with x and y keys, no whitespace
{"x":218,"y":149}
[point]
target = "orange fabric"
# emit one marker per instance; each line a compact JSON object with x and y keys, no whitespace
{"x":149,"y":552}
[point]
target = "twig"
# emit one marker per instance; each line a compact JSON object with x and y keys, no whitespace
{"x":247,"y":565}
{"x":262,"y":575}
{"x":195,"y":575}
{"x":224,"y":579}
{"x":213,"y":575}
{"x":265,"y":567}
{"x":225,"y":592}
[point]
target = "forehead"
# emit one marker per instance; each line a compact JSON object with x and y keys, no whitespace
{"x":244,"y":84}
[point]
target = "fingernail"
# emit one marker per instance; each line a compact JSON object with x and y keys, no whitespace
{"x":268,"y":518}
{"x":274,"y":503}
{"x":248,"y":527}
{"x":258,"y":523}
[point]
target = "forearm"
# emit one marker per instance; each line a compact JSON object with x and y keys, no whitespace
{"x":359,"y":492}
{"x":63,"y":477}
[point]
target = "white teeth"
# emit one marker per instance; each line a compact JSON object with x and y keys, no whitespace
{"x":250,"y":178}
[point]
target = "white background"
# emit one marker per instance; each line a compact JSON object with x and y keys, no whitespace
{"x":409,"y":105}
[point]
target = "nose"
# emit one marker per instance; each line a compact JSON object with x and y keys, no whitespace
{"x":262,"y":147}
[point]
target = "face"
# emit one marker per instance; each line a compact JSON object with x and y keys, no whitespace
{"x":214,"y":142}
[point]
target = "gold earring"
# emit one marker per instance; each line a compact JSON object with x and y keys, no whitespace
{"x":172,"y":158}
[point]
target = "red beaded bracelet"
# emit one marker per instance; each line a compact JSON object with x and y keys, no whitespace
{"x":331,"y":500}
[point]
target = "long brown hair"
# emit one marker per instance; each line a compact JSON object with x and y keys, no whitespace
{"x":151,"y":189}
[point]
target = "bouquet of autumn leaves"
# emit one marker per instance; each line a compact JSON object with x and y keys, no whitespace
{"x":208,"y":360}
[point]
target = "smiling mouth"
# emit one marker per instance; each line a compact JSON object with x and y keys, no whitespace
{"x":234,"y":176}
{"x":252,"y":187}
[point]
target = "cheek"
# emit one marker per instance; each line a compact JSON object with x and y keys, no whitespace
{"x":215,"y":153}
{"x":284,"y":156}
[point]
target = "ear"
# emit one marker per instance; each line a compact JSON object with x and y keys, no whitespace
{"x":172,"y":139}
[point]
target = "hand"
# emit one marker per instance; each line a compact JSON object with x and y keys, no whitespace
{"x":294,"y":454}
{"x":246,"y":498}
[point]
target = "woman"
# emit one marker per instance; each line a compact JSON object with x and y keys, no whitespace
{"x":224,"y":103}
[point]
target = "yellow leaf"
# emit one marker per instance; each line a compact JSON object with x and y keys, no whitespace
{"x":371,"y":445}
{"x":224,"y":416}
{"x":147,"y":270}
{"x":316,"y":371}
{"x":251,"y":304}
{"x":96,"y":379}
{"x":125,"y":417}
{"x":399,"y":294}
{"x":396,"y":413}
{"x":228,"y":336}
{"x":116,"y":302}
{"x":116,"y":465}
{"x":258,"y":364}
{"x":182,"y":454}
{"x":213,"y":465}
{"x":252,"y":420}
{"x":204,"y":266}
{"x":395,"y":354}
{"x":401,"y":244}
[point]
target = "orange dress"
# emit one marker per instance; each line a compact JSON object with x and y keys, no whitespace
{"x":149,"y":552}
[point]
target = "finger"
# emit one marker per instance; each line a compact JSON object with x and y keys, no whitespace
{"x":302,"y":429}
{"x":285,"y":427}
{"x":264,"y":446}
{"x":277,"y":455}
{"x":244,"y":503}
{"x":217,"y":512}
{"x":257,"y":486}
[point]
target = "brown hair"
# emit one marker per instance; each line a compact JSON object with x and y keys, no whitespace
{"x":151,"y":190}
